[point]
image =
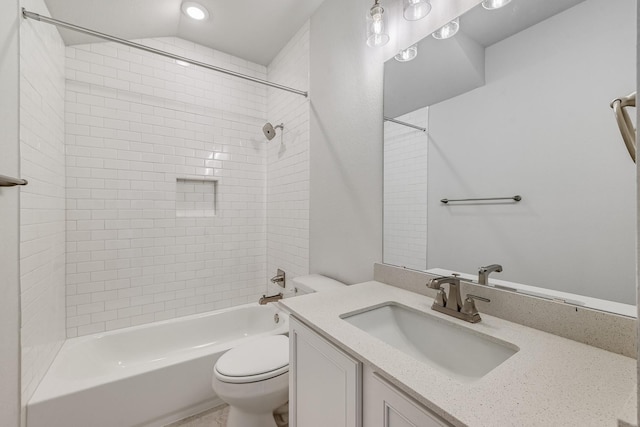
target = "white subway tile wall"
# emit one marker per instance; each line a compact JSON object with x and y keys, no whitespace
{"x":42,"y":202}
{"x":405,"y":191}
{"x":288,"y":162}
{"x":135,"y":124}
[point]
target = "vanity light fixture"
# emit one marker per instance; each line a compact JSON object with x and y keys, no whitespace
{"x":376,"y":32}
{"x":195,"y":10}
{"x":447,"y":30}
{"x":407,"y":54}
{"x":495,"y":4}
{"x":416,"y":9}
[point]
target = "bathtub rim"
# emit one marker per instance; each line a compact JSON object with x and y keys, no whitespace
{"x":54,"y":387}
{"x":275,"y":308}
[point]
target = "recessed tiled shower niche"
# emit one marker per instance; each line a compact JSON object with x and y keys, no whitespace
{"x":195,"y":198}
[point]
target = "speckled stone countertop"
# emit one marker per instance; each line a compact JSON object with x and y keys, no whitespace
{"x":629,"y":415}
{"x":550,"y":381}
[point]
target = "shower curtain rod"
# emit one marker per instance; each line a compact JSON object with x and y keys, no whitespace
{"x":389,"y":119}
{"x":58,"y":23}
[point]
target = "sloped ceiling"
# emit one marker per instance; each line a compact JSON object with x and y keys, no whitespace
{"x":255,"y":30}
{"x":447,"y":68}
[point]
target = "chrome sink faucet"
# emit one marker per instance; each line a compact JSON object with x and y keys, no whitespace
{"x":484,"y":272}
{"x":452,"y":304}
{"x":453,"y":301}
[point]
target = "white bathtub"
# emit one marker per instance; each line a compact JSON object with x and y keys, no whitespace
{"x":147,"y":375}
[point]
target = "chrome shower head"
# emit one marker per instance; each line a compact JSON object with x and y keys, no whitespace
{"x":270,"y":131}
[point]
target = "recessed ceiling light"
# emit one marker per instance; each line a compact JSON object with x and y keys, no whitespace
{"x":182,"y":63}
{"x":495,"y":4}
{"x":195,"y":11}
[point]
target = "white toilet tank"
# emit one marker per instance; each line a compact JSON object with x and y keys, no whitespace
{"x":315,"y":283}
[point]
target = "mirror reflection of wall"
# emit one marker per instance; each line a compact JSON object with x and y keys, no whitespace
{"x":526,"y":112}
{"x":405,"y":191}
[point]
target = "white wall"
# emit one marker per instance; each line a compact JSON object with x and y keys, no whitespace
{"x":346,"y":131}
{"x":136,"y":123}
{"x":405,"y":191}
{"x":524,"y":133}
{"x":346,"y":144}
{"x":42,"y":202}
{"x":288,"y":162}
{"x":9,"y":212}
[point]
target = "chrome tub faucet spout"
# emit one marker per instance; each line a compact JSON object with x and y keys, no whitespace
{"x":264,"y":299}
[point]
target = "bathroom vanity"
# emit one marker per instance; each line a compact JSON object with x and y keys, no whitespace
{"x":323,"y":373}
{"x":349,"y":368}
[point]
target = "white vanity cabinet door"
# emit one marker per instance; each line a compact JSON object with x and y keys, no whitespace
{"x":386,"y":406}
{"x":324,"y":382}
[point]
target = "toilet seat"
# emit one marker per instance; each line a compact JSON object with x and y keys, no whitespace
{"x":258,"y":360}
{"x":250,"y":379}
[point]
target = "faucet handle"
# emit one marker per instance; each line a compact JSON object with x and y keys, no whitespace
{"x":472,"y":297}
{"x":441,"y":298}
{"x":469,"y":306}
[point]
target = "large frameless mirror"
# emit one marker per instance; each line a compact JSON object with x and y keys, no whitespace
{"x":517,"y":103}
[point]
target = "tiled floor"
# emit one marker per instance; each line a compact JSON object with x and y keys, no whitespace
{"x":215,"y":417}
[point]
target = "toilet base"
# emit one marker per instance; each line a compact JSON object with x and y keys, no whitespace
{"x":252,"y":404}
{"x":238,"y":418}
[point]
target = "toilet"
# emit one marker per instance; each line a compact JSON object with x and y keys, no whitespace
{"x":253,"y":378}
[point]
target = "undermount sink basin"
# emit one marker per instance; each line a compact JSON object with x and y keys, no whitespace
{"x":458,"y":351}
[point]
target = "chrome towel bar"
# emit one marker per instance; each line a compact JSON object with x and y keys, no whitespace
{"x":514,"y":198}
{"x":7,"y":181}
{"x":400,"y":122}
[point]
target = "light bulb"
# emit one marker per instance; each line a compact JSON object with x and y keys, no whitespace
{"x":447,"y":30}
{"x":495,"y":4}
{"x":416,"y":9}
{"x":377,"y":27}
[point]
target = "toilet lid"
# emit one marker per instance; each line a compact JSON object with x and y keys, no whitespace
{"x":267,"y":355}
